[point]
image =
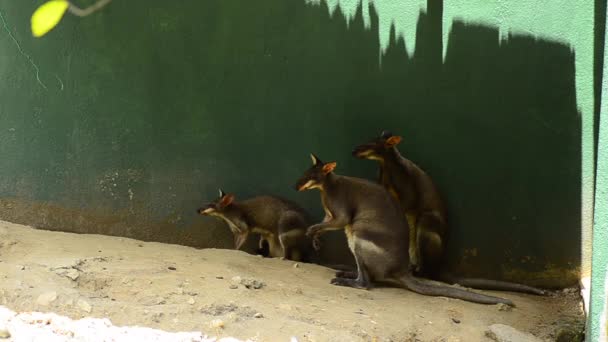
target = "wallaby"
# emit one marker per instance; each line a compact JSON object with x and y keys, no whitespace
{"x":377,"y":233}
{"x":281,"y":223}
{"x":425,"y":213}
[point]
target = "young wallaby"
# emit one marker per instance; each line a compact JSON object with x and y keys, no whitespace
{"x":425,"y":213}
{"x":377,"y":233}
{"x":281,"y":223}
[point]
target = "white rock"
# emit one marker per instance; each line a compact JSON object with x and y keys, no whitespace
{"x":46,"y":298}
{"x":505,"y":333}
{"x":217,"y":323}
{"x":84,"y":305}
{"x":191,"y":301}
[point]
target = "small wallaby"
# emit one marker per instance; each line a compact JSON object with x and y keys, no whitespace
{"x":425,"y":213}
{"x":281,"y":224}
{"x":377,"y":233}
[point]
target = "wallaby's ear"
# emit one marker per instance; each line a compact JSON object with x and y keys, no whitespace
{"x":392,"y":141}
{"x":226,"y":200}
{"x":315,"y":160}
{"x":222,"y":194}
{"x":329,"y":167}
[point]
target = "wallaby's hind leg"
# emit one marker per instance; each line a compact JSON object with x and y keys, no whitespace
{"x":413,"y":248}
{"x":362,"y":280}
{"x":347,"y":274}
{"x":291,"y":235}
{"x":429,"y":242}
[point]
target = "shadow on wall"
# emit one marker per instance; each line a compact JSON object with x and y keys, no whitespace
{"x":148,"y":110}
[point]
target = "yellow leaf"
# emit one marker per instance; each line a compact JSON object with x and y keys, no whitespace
{"x":47,"y":16}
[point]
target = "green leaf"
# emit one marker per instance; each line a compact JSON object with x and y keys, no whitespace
{"x":47,"y":16}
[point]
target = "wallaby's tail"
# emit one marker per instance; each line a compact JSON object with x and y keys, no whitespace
{"x":487,"y":284}
{"x":429,"y":288}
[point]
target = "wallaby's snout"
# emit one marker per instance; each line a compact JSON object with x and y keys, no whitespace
{"x":205,"y":210}
{"x":362,"y":151}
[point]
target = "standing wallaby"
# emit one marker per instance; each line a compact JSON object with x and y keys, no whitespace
{"x":281,"y":224}
{"x":425,"y":213}
{"x":377,"y":233}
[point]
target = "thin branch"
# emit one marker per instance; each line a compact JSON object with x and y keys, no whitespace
{"x":84,"y":12}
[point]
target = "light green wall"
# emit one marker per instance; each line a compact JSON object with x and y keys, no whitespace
{"x":599,"y":285}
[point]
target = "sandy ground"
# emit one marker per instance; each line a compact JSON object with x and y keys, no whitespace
{"x":227,"y":293}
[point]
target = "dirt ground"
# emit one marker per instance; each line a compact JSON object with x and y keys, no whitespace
{"x":230,"y":293}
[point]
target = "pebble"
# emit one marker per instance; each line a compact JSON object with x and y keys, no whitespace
{"x":172,"y":268}
{"x":4,"y":333}
{"x":253,"y":284}
{"x":504,"y":307}
{"x":46,"y":298}
{"x":233,"y":287}
{"x":455,"y":320}
{"x":191,"y":301}
{"x":296,"y":265}
{"x":84,"y":305}
{"x":258,"y":315}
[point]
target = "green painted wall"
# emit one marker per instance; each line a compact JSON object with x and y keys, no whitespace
{"x":124,"y":122}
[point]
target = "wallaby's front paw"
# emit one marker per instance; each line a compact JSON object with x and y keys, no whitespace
{"x":312,"y":231}
{"x":316,"y":243}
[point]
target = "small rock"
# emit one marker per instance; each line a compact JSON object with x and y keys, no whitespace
{"x":172,"y":268}
{"x":20,"y":267}
{"x":456,"y":320}
{"x":258,"y":315}
{"x":4,"y":333}
{"x":253,"y":284}
{"x":180,"y":290}
{"x":504,"y":307}
{"x":219,"y":277}
{"x":72,"y":274}
{"x":296,"y":265}
{"x":505,"y":333}
{"x":191,"y":301}
{"x":156,"y":317}
{"x":84,"y":306}
{"x":233,"y":287}
{"x":217,"y":323}
{"x":236,"y":279}
{"x":46,"y":298}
